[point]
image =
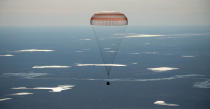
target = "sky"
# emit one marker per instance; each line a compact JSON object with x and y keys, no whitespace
{"x":78,"y":12}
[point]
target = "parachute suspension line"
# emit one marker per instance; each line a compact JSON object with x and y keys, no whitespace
{"x":117,"y":49}
{"x":100,"y":50}
{"x":108,"y":68}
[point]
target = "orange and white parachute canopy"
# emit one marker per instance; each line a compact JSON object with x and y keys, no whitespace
{"x":109,"y":18}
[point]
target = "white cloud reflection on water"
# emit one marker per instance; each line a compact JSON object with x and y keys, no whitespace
{"x":144,"y":35}
{"x":165,"y":35}
{"x":145,"y":52}
{"x":147,"y":79}
{"x":82,"y":50}
{"x":50,"y":66}
{"x":35,"y":50}
{"x":187,"y":56}
{"x":86,"y":39}
{"x":22,"y":93}
{"x":4,"y":99}
{"x":24,"y":75}
{"x":7,"y":55}
{"x":101,"y":65}
{"x":163,"y":103}
{"x":134,"y":53}
{"x":111,"y":51}
{"x":134,"y":63}
{"x":203,"y":84}
{"x":162,"y":69}
{"x":59,"y":88}
{"x":150,"y":52}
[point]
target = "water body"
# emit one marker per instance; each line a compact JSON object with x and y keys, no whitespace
{"x":61,"y":68}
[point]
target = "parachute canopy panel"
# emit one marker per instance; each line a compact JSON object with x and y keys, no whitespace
{"x":109,"y":18}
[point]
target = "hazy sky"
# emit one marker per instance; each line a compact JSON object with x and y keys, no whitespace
{"x":78,"y":12}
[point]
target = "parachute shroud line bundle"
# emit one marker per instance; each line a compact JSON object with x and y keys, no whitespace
{"x":108,"y":28}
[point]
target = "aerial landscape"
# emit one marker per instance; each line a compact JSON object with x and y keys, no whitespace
{"x":93,"y":54}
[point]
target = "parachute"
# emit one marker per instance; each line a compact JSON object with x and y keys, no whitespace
{"x":109,"y":18}
{"x":109,"y":29}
